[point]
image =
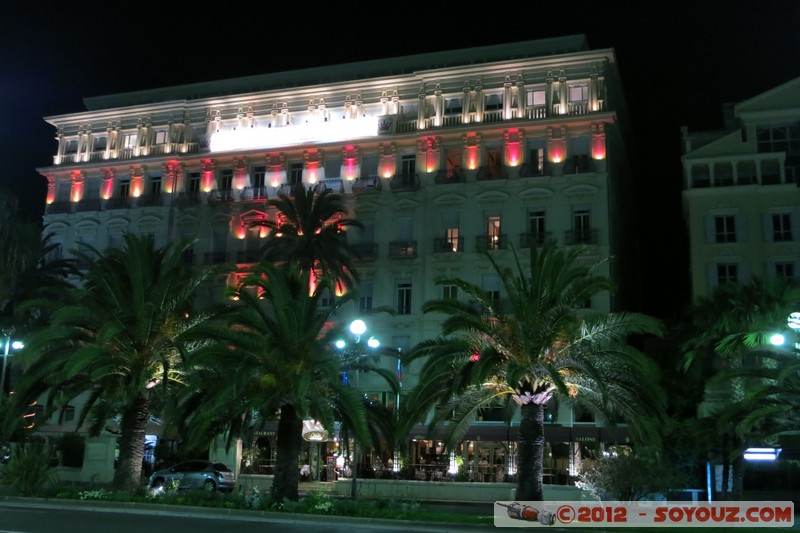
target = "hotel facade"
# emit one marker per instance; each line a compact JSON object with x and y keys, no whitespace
{"x":440,"y":156}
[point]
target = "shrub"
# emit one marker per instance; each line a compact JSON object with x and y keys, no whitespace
{"x":628,"y":477}
{"x":28,"y":472}
{"x":71,"y":446}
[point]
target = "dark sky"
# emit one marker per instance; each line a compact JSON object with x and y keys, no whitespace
{"x":679,"y":62}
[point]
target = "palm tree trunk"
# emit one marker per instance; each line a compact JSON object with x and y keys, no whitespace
{"x":128,"y":476}
{"x":290,"y":429}
{"x":530,"y":455}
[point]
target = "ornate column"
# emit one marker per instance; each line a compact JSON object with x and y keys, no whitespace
{"x":465,"y":104}
{"x":438,"y":106}
{"x":522,"y":99}
{"x":508,"y":97}
{"x":422,"y":100}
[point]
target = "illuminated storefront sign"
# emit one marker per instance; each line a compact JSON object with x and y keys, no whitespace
{"x":322,"y":132}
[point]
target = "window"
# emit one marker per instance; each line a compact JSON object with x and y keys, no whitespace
{"x":449,"y":292}
{"x":155,"y":185}
{"x":493,"y":232}
{"x":582,"y":226}
{"x":725,"y":228}
{"x":537,"y":161}
{"x":494,"y":158}
{"x":226,"y":179}
{"x":451,"y":238}
{"x":365,"y":297}
{"x":129,"y":140}
{"x":160,"y":137}
{"x":194,"y":182}
{"x":295,"y":173}
{"x":124,"y":188}
{"x":491,"y":284}
{"x":408,"y":165}
{"x":578,"y":93}
{"x":781,"y":227}
{"x":454,"y":163}
{"x":536,"y":98}
{"x":785,"y":270}
{"x":536,"y":226}
{"x":325,"y":299}
{"x":403,"y":297}
{"x":259,"y":176}
{"x":452,"y":106}
{"x":727,"y":273}
{"x":494,"y":101}
{"x":92,"y":189}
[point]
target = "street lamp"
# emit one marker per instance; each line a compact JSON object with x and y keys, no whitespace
{"x":9,"y":344}
{"x":357,"y":327}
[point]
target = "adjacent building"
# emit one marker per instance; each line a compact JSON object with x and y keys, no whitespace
{"x":441,"y":156}
{"x":741,"y":200}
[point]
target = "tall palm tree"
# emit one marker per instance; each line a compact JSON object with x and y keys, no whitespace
{"x":118,"y":342}
{"x":546,"y":345}
{"x":275,"y":359}
{"x":310,"y":231}
{"x":727,"y":337}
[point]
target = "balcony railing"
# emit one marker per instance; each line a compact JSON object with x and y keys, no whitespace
{"x":335,"y":185}
{"x":585,"y":236}
{"x":92,"y":204}
{"x":253,"y":194}
{"x":127,"y":153}
{"x":367,"y":251}
{"x":221,"y":195}
{"x":403,"y":249}
{"x":497,"y":172}
{"x":59,"y":207}
{"x":370,"y":184}
{"x":149,"y":200}
{"x":248,"y":256}
{"x":527,"y":240}
{"x":450,"y":176}
{"x":445,"y":245}
{"x":188,"y":198}
{"x":404,"y":182}
{"x":491,"y":242}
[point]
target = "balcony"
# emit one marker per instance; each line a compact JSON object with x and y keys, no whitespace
{"x":404,"y":182}
{"x":576,"y":237}
{"x":579,"y":164}
{"x":335,"y":185}
{"x":189,"y":198}
{"x":92,"y":204}
{"x":253,"y":194}
{"x":218,"y":196}
{"x":118,"y":202}
{"x":127,"y":153}
{"x":367,"y":251}
{"x":149,"y":200}
{"x":59,"y":207}
{"x":448,"y":246}
{"x":450,"y":176}
{"x":490,"y":173}
{"x":528,"y":240}
{"x":403,"y":249}
{"x":491,"y":242}
{"x":371,"y":184}
{"x":286,"y":189}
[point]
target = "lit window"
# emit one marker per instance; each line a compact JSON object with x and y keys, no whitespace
{"x":578,"y":93}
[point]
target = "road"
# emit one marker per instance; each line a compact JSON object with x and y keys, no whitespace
{"x":56,"y":517}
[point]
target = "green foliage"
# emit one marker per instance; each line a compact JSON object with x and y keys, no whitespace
{"x":28,"y":472}
{"x":629,"y":477}
{"x":72,"y":447}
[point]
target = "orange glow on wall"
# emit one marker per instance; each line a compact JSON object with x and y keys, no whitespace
{"x":263,"y":231}
{"x":108,"y":188}
{"x":557,"y":150}
{"x":77,"y":191}
{"x":207,"y":182}
{"x":51,"y":191}
{"x":513,"y":151}
{"x":472,"y":157}
{"x":599,"y":147}
{"x":137,"y":186}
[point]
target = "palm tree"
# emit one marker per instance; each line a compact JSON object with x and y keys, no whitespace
{"x":547,"y":345}
{"x":118,"y":341}
{"x":275,"y":359}
{"x":728,"y":339}
{"x":310,"y":231}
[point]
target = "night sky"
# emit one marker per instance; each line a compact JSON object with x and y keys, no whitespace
{"x":679,"y":63}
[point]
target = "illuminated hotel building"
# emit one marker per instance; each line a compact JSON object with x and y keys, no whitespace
{"x":439,"y":155}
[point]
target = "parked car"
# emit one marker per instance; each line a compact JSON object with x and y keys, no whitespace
{"x":203,"y":475}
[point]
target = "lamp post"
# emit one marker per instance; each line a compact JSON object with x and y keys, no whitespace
{"x":357,"y":327}
{"x":9,"y":344}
